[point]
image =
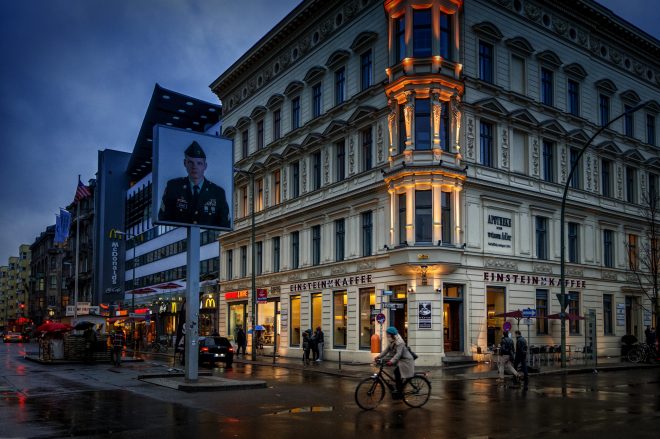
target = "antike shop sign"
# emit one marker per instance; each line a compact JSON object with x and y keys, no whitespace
{"x":332,"y":283}
{"x":524,"y":279}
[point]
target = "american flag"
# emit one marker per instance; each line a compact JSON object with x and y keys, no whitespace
{"x":82,"y":192}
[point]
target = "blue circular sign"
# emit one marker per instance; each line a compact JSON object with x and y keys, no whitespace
{"x":380,"y":318}
{"x":507,"y":326}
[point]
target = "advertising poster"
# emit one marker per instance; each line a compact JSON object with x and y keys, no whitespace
{"x":192,"y":179}
{"x":424,"y":317}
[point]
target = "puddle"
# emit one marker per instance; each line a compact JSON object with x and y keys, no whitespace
{"x":310,"y":409}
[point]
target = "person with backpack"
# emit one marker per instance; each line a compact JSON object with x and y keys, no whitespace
{"x":506,"y":355}
{"x":399,"y":356}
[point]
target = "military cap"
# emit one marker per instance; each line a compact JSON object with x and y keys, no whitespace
{"x":195,"y":151}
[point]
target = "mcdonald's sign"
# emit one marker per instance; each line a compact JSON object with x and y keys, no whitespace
{"x":209,"y":302}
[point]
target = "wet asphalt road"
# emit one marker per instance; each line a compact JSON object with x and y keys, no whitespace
{"x":103,"y":401}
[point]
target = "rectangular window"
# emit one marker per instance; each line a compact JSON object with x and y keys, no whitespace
{"x":633,"y":253}
{"x":260,"y":194}
{"x":340,"y":310}
{"x":400,"y":37}
{"x":650,"y":129}
{"x":295,"y":179}
{"x":519,"y":152}
{"x":340,"y":148}
{"x":573,"y":243}
{"x":295,"y":334}
{"x":631,"y":184}
{"x":547,"y":92}
{"x":541,"y":312}
{"x":653,"y":185}
{"x":277,"y":124}
{"x":230,"y":264}
{"x":260,"y":134}
{"x":402,"y":219}
{"x":628,"y":121}
{"x":243,"y":261}
{"x":604,"y":108}
{"x":277,"y":183}
{"x":422,"y":33}
{"x":316,"y":245}
{"x":244,"y":143}
{"x":575,"y":179}
{"x":548,"y":161}
{"x":608,"y":248}
{"x":541,"y":237}
{"x":446,"y":40}
{"x":367,"y":233}
{"x":340,"y":83}
{"x":366,"y":70}
{"x":295,"y":113}
{"x":316,"y":170}
{"x":573,"y":97}
{"x":423,"y":216}
{"x":486,"y":144}
{"x":402,"y":128}
{"x":485,"y":62}
{"x":422,"y":124}
{"x":446,"y":218}
{"x":317,"y":310}
{"x":340,"y":239}
{"x":607,"y":314}
{"x":276,"y":254}
{"x":574,"y":309}
{"x":606,"y":166}
{"x":259,"y":262}
{"x":518,"y":74}
{"x":367,"y":319}
{"x":295,"y":249}
{"x":367,"y":155}
{"x":444,"y":126}
{"x":316,"y":100}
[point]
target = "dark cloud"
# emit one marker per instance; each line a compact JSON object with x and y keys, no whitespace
{"x":77,"y":76}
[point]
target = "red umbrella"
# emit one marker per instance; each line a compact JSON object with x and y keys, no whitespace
{"x":168,"y":286}
{"x":143,"y":291}
{"x":517,"y":314}
{"x":570,"y":317}
{"x":54,"y":327}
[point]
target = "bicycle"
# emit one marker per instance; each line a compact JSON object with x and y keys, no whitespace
{"x":159,"y":346}
{"x":641,"y":353}
{"x":370,"y":392}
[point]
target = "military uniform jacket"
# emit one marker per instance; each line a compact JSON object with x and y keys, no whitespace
{"x":178,"y":205}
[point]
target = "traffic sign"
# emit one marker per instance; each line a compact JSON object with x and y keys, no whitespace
{"x":387,"y":292}
{"x":529,"y":313}
{"x":391,"y":305}
{"x":375,"y":312}
{"x":507,"y":326}
{"x":380,"y":318}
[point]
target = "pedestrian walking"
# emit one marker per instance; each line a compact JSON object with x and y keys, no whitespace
{"x":320,"y":343}
{"x":506,"y":354}
{"x":118,"y":341}
{"x":241,"y":341}
{"x":521,"y":358}
{"x":314,"y":346}
{"x":306,"y":346}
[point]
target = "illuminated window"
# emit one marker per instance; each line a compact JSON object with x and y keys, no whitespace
{"x":340,"y":311}
{"x":367,"y":319}
{"x":295,"y":322}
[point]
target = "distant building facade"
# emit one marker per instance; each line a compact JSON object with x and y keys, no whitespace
{"x":409,"y":160}
{"x":14,"y":290}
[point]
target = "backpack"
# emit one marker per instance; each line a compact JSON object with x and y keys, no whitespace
{"x":506,"y":347}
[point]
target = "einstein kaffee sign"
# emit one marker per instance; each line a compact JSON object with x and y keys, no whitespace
{"x":337,"y":282}
{"x":534,"y":280}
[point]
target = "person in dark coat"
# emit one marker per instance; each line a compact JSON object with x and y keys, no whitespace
{"x":520,"y":357}
{"x":194,"y":199}
{"x":320,"y":343}
{"x":306,"y":345}
{"x":241,"y":341}
{"x":314,"y":346}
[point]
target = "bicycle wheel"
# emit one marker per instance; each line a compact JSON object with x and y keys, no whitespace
{"x":369,"y":393}
{"x":155,"y":348}
{"x":635,"y":355}
{"x":416,"y":391}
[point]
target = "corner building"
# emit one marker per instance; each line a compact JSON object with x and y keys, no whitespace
{"x":409,"y":159}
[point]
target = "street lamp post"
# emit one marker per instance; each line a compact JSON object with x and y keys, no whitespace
{"x":252,"y":251}
{"x":574,"y":166}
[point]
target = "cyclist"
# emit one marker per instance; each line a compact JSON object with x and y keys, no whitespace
{"x":398,"y":356}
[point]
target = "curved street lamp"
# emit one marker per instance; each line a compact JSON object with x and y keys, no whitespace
{"x":562,"y":237}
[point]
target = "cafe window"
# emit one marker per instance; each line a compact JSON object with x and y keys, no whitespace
{"x":574,"y":309}
{"x":295,"y":322}
{"x":367,"y":323}
{"x":340,"y":310}
{"x":541,"y":312}
{"x":317,"y":311}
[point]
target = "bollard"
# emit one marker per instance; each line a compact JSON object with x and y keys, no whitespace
{"x":339,"y":360}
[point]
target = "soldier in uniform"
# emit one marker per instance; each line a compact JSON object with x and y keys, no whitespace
{"x":194,"y":199}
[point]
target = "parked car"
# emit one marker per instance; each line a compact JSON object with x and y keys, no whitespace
{"x":216,"y":349}
{"x":13,"y":337}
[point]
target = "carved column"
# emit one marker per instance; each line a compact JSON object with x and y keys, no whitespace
{"x":391,"y":123}
{"x":456,"y":114}
{"x":409,"y":113}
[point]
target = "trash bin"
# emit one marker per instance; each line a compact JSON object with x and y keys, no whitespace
{"x":57,"y":349}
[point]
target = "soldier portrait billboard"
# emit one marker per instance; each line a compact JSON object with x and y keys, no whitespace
{"x":192,"y":179}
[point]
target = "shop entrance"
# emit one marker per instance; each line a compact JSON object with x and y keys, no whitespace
{"x":269,"y":318}
{"x":453,"y":317}
{"x":633,"y":317}
{"x":399,"y":315}
{"x":495,"y":300}
{"x":237,"y":313}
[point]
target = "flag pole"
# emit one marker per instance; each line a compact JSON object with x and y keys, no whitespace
{"x":75,"y":288}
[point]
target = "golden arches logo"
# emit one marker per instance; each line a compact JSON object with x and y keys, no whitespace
{"x":209,"y":302}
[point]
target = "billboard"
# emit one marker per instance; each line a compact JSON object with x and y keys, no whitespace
{"x":192,"y":179}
